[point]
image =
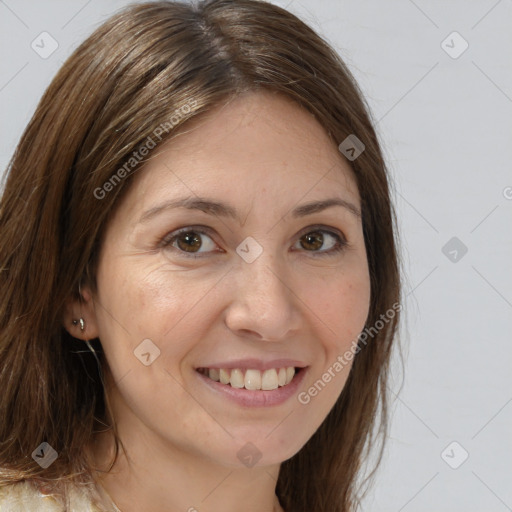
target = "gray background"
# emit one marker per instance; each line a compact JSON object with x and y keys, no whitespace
{"x":445,"y":124}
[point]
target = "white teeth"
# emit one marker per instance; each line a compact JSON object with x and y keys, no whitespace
{"x":281,"y":378}
{"x":224,"y":376}
{"x":213,"y":373}
{"x":253,"y":379}
{"x":269,"y":379}
{"x":237,"y":378}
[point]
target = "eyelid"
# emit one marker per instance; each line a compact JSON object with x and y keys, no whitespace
{"x":322,"y":227}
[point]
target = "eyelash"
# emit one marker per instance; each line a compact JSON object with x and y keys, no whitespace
{"x":168,"y":240}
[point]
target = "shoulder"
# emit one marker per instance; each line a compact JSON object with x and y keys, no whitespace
{"x":27,"y":495}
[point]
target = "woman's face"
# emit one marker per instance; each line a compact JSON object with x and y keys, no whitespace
{"x":257,"y":282}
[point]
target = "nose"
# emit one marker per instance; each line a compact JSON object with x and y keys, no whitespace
{"x":263,"y":305}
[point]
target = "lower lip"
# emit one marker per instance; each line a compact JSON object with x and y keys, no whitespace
{"x":257,"y":397}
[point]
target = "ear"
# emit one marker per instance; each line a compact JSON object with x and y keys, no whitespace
{"x":75,"y":309}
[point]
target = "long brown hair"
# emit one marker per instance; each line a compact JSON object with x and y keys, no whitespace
{"x":135,"y":73}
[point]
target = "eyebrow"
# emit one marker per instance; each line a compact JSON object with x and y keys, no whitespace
{"x":217,"y":208}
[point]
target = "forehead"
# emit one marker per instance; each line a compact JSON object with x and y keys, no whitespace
{"x":258,"y":143}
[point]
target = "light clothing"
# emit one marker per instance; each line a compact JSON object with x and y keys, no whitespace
{"x":27,"y":496}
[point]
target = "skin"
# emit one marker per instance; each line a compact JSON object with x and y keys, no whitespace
{"x":264,"y":155}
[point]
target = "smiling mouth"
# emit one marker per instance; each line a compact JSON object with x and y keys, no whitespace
{"x":252,"y":379}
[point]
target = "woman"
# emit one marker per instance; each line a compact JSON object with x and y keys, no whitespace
{"x":199,"y":272}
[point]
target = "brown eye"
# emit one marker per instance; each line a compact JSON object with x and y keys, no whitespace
{"x":314,"y":240}
{"x":188,"y":242}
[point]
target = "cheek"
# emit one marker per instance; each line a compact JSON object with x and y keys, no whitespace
{"x":343,"y":309}
{"x":342,"y":305}
{"x":169,"y":302}
{"x":157,"y":305}
{"x":170,"y":308}
{"x":150,"y":301}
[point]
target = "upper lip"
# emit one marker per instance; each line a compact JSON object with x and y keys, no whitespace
{"x":255,"y":364}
